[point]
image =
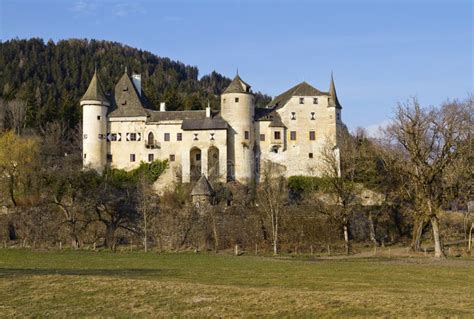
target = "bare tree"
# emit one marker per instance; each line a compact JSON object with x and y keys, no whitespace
{"x":338,"y":169}
{"x":148,"y":206}
{"x":16,"y":113}
{"x":272,"y":196}
{"x":429,"y":141}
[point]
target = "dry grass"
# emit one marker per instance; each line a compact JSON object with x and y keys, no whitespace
{"x":78,"y":284}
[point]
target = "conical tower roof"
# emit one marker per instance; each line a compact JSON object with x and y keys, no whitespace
{"x":94,"y":91}
{"x":237,"y":86}
{"x":332,"y":93}
{"x":202,"y":187}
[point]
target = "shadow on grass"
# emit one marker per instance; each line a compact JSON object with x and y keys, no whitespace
{"x":129,"y":273}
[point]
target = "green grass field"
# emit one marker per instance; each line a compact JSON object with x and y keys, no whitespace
{"x":80,"y":283}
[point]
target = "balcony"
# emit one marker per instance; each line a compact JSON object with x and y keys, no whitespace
{"x":154,"y":145}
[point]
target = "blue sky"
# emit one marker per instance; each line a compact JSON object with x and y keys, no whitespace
{"x":381,"y":52}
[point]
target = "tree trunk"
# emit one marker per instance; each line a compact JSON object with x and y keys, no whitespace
{"x":438,"y":246}
{"x":145,"y":237}
{"x":372,"y":229}
{"x":346,"y":239}
{"x":275,"y":236}
{"x":12,"y":189}
{"x":417,"y":233}
{"x":110,"y":236}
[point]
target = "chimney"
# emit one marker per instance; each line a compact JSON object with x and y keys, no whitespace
{"x":162,"y":107}
{"x":208,"y":110}
{"x":137,"y":82}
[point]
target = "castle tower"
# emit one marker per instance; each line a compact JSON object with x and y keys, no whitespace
{"x":334,"y":110}
{"x":94,"y":125}
{"x":238,"y":109}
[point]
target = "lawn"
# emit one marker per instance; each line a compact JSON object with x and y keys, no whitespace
{"x":81,"y":283}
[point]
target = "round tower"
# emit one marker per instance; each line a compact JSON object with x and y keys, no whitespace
{"x":238,"y":109}
{"x":94,"y":126}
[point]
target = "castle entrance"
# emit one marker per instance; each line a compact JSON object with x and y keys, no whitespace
{"x":195,"y":163}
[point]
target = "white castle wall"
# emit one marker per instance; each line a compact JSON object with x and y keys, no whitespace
{"x":121,"y":150}
{"x":240,"y":117}
{"x":294,"y":155}
{"x":94,"y":129}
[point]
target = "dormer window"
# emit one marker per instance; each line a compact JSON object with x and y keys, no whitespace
{"x":293,"y":115}
{"x":312,"y":116}
{"x":301,"y":100}
{"x":315,"y":100}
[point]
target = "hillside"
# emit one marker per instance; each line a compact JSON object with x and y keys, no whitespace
{"x":52,"y":77}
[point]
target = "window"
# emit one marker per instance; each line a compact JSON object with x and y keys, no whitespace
{"x":198,"y":157}
{"x":301,"y":100}
{"x":172,"y":158}
{"x":236,"y":100}
{"x":179,"y":136}
{"x":262,"y":137}
{"x":293,"y":115}
{"x":310,"y":155}
{"x":113,"y":137}
{"x":85,"y":155}
{"x":195,"y":137}
{"x":212,"y":136}
{"x":247,"y":135}
{"x":167,"y":137}
{"x":312,"y":135}
{"x":223,"y":101}
{"x":101,"y":136}
{"x":151,"y":157}
{"x":109,"y":157}
{"x":315,"y":100}
{"x":293,"y":135}
{"x":132,"y":157}
{"x":133,"y":137}
{"x":312,"y":116}
{"x":275,"y":149}
{"x":151,"y":138}
{"x":338,"y":116}
{"x":85,"y":136}
{"x":277,"y":135}
{"x":98,"y":117}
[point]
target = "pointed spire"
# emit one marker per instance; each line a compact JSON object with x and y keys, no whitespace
{"x":202,"y":187}
{"x":237,"y":86}
{"x":237,"y":71}
{"x":333,"y":94}
{"x":94,"y":91}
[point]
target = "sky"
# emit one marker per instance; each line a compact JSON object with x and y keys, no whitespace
{"x":380,"y":52}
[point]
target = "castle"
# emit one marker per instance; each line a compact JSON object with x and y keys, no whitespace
{"x":122,"y":130}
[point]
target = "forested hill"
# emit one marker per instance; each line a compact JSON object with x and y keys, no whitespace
{"x":52,"y":77}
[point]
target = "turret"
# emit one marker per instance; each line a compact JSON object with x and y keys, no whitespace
{"x":238,"y":109}
{"x":94,"y":125}
{"x":334,"y":110}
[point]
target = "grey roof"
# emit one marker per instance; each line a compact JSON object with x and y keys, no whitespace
{"x":215,"y":123}
{"x":127,"y":100}
{"x":94,"y":91}
{"x":302,"y":89}
{"x":269,"y":114}
{"x":157,"y":116}
{"x":332,"y":93}
{"x":202,"y":187}
{"x":237,"y":86}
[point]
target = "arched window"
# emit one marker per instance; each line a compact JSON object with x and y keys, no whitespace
{"x":151,"y":139}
